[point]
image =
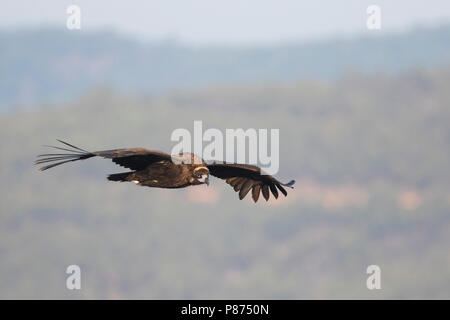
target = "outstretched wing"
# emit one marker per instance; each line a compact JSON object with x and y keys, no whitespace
{"x":244,"y":177}
{"x":131,"y":158}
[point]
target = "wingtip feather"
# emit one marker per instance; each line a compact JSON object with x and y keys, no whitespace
{"x":289,"y":184}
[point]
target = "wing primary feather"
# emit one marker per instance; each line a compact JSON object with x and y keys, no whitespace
{"x":245,"y":189}
{"x":281,"y":189}
{"x":56,"y":164}
{"x":54,"y":159}
{"x":239,"y":184}
{"x":61,"y":158}
{"x":232,"y":181}
{"x":255,"y":192}
{"x":64,"y":149}
{"x":71,"y":145}
{"x":274,"y":190}
{"x":55,"y":154}
{"x":265,"y":191}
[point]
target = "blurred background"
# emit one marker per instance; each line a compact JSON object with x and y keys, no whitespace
{"x":364,"y":129}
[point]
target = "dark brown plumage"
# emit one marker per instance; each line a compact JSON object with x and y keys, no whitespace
{"x":161,"y":170}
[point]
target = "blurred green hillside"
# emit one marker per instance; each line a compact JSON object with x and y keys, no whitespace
{"x":51,"y":64}
{"x":370,"y":155}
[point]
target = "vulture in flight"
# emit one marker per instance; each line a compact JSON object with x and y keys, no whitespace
{"x":161,"y":170}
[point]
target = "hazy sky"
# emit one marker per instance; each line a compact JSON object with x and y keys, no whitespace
{"x":227,"y":21}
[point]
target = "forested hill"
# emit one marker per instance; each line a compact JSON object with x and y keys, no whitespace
{"x":370,"y":156}
{"x":53,"y":65}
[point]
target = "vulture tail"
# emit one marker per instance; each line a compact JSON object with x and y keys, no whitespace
{"x":55,"y":159}
{"x":119,"y":176}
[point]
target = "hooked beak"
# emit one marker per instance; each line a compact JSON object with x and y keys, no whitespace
{"x":204,"y":179}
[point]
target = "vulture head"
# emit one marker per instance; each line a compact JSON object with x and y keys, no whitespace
{"x":200,"y":175}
